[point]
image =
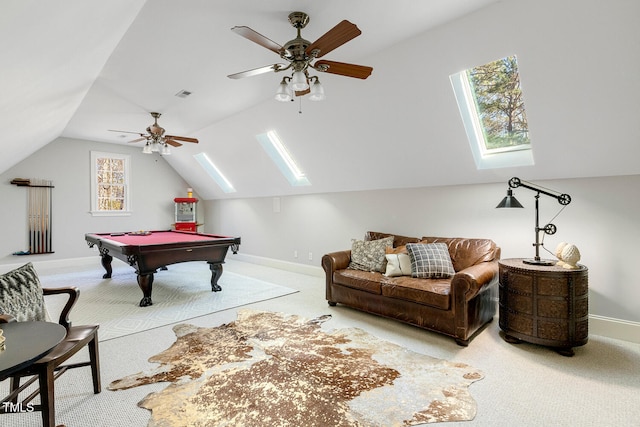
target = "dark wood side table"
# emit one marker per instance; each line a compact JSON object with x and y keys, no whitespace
{"x":26,"y":342}
{"x":546,"y":305}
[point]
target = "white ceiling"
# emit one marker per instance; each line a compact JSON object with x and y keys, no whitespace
{"x":77,"y":68}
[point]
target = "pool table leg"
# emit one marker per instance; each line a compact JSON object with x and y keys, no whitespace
{"x":105,"y":260}
{"x":145,"y":281}
{"x":216,"y":272}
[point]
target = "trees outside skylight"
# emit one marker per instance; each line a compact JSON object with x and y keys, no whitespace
{"x":491,"y":105}
{"x":499,"y":103}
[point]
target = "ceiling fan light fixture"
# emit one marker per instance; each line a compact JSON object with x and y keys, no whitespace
{"x":299,"y":81}
{"x":283,"y":93}
{"x":147,"y":149}
{"x":317,"y":91}
{"x":165,"y":151}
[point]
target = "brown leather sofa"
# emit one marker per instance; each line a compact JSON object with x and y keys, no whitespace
{"x":459,"y":306}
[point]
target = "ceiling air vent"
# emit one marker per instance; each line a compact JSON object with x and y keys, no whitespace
{"x":183,"y":94}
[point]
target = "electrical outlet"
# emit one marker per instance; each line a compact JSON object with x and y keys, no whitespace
{"x":310,"y":256}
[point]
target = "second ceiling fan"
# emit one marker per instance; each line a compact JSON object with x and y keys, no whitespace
{"x":156,"y":140}
{"x":301,"y":56}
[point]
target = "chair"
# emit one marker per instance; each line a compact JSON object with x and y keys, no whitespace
{"x":22,"y":299}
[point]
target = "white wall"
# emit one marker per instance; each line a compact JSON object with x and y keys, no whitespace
{"x":67,"y":162}
{"x":601,"y":220}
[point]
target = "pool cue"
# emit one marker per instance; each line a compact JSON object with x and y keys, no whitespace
{"x":42,"y":224}
{"x":49,"y":225}
{"x":38,"y":218}
{"x":30,"y":212}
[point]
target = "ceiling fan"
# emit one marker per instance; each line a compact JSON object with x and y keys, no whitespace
{"x":157,"y":141}
{"x":301,"y":55}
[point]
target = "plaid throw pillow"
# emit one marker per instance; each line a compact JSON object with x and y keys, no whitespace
{"x":430,"y":260}
{"x":21,"y":295}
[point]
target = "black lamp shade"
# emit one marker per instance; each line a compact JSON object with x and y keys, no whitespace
{"x":509,"y":201}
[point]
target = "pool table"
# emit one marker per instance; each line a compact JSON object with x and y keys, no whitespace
{"x":149,"y":250}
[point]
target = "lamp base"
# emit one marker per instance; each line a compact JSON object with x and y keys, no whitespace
{"x":538,"y":262}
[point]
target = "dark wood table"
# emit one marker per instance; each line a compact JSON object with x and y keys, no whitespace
{"x":149,"y":251}
{"x":546,"y":305}
{"x":26,"y":342}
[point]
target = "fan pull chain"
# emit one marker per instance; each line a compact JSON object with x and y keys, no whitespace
{"x":300,"y":107}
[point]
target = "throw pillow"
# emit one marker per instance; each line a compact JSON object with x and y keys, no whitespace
{"x":21,"y":295}
{"x":430,"y":260}
{"x":398,"y":265}
{"x":369,"y":255}
{"x":399,"y":250}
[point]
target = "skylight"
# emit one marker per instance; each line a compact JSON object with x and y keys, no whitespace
{"x":491,"y":105}
{"x":214,"y":172}
{"x":282,"y":158}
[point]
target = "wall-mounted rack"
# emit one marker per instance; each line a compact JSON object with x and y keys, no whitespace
{"x":38,"y":215}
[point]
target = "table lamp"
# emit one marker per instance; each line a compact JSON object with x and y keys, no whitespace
{"x":511,"y":202}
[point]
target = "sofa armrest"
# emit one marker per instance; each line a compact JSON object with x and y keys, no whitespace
{"x":473,"y":280}
{"x":336,"y":261}
{"x":330,"y":263}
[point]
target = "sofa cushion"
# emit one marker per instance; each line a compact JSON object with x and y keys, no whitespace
{"x":363,"y":280}
{"x":369,"y":255}
{"x":21,"y":295}
{"x":430,"y":260}
{"x":431,"y":292}
{"x":466,"y":252}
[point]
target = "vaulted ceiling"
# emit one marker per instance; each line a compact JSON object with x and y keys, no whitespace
{"x":78,"y":68}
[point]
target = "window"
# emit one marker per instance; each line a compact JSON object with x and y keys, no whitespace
{"x":110,"y":184}
{"x":275,"y":148}
{"x":492,"y":107}
{"x":214,"y":172}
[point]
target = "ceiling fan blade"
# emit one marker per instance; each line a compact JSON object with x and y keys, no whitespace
{"x":302,"y":92}
{"x":182,"y":138}
{"x":258,"y":38}
{"x":344,"y":69}
{"x":172,"y":142}
{"x":334,"y":38}
{"x":125,"y":131}
{"x":137,"y":140}
{"x":256,"y":71}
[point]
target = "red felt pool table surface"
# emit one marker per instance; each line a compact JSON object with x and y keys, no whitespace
{"x":158,"y":237}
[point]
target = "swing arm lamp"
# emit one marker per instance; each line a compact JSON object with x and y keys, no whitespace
{"x":511,"y":202}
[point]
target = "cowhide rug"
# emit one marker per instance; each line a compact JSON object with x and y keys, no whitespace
{"x":273,"y":369}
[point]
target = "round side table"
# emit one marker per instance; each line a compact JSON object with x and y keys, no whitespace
{"x":546,"y":305}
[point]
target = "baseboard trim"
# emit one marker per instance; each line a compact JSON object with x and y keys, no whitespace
{"x":54,"y":263}
{"x":310,"y":270}
{"x":614,"y":328}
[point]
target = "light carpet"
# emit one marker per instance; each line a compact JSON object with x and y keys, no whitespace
{"x":275,"y":369}
{"x":181,"y":292}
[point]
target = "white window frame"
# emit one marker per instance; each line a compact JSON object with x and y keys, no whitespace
{"x":280,"y":155}
{"x":215,"y":173}
{"x":484,"y":158}
{"x":95,"y":155}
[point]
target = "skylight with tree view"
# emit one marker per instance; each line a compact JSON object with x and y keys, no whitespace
{"x":491,"y":104}
{"x":499,"y":103}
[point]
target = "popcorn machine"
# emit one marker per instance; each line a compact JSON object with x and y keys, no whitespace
{"x":185,"y":215}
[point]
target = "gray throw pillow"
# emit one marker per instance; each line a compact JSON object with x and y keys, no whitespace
{"x":370,"y":255}
{"x":430,"y":260}
{"x":21,"y":295}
